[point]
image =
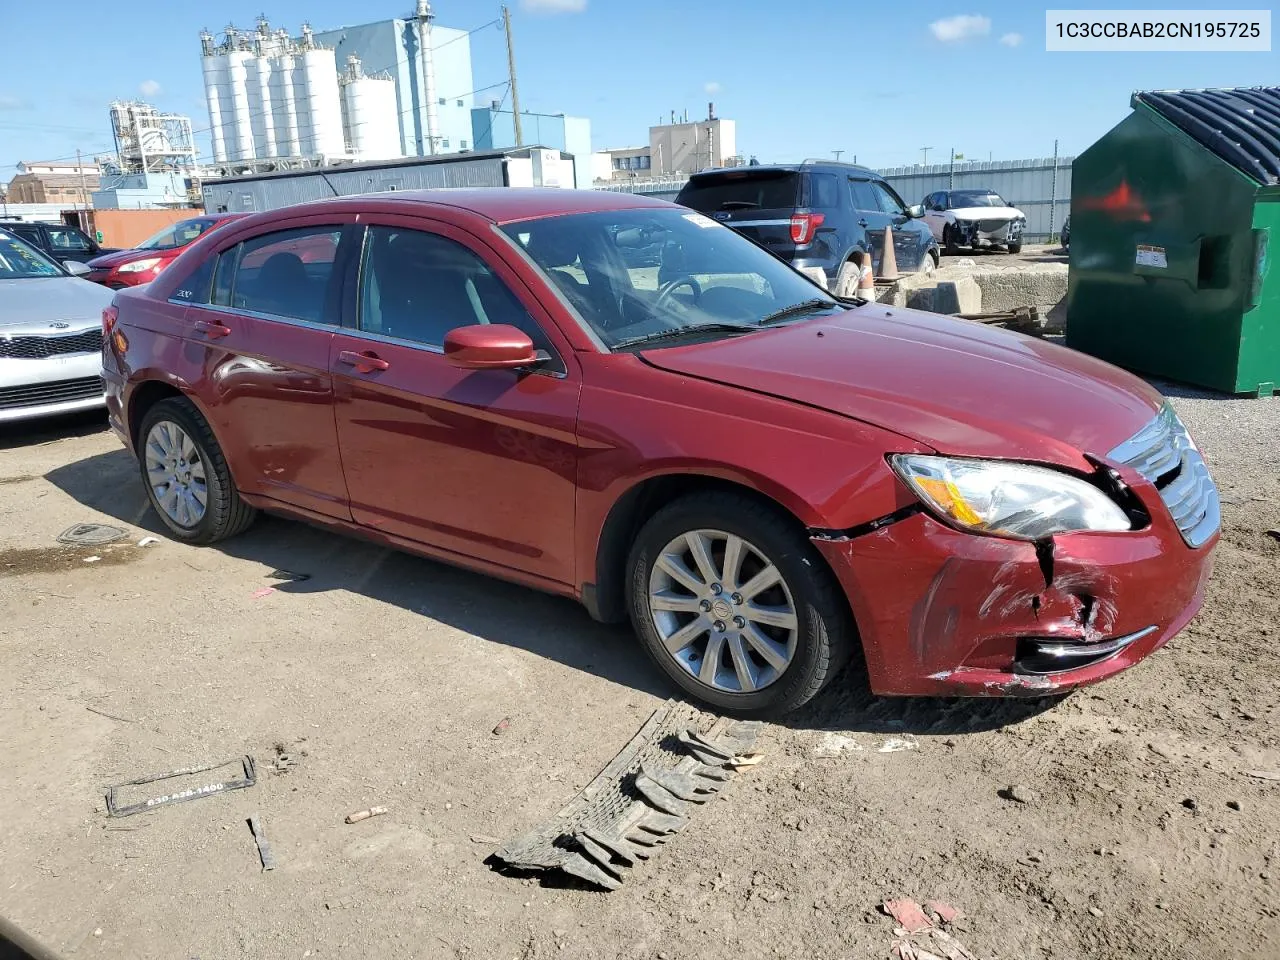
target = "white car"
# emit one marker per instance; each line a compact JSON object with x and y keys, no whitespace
{"x":974,"y":218}
{"x":50,"y":335}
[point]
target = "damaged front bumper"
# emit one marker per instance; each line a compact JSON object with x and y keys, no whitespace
{"x":978,"y":233}
{"x":946,"y":613}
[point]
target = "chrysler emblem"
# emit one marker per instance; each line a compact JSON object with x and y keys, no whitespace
{"x":59,"y":325}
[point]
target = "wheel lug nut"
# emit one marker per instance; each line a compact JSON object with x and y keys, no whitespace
{"x":705,"y":605}
{"x":737,"y":598}
{"x":717,"y":589}
{"x":739,"y":622}
{"x":719,"y":626}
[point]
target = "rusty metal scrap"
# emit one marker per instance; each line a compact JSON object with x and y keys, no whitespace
{"x":642,"y":797}
{"x":1021,"y":319}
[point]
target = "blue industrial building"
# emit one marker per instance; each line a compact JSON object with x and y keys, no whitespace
{"x":394,"y":47}
{"x":493,"y":128}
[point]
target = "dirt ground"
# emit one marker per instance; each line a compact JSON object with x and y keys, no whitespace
{"x":383,"y":677}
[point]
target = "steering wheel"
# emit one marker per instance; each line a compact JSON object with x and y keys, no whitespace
{"x":668,"y":288}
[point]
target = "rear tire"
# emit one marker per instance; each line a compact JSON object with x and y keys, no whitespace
{"x":788,"y":639}
{"x":928,"y":264}
{"x":186,"y":475}
{"x":1015,"y":248}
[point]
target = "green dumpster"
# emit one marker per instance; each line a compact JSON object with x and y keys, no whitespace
{"x":1175,"y":220}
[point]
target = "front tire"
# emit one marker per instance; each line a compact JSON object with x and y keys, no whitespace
{"x":949,"y":240}
{"x":772,"y":634}
{"x":186,"y":475}
{"x":1015,"y":248}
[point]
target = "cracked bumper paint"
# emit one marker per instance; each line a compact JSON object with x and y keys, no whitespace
{"x":940,"y":612}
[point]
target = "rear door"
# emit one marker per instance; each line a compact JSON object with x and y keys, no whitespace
{"x":266,"y":334}
{"x":478,"y":463}
{"x":935,"y":212}
{"x":758,"y":203}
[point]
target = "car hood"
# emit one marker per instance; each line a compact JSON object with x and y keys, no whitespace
{"x":960,"y":387}
{"x":987,"y":213}
{"x":118,"y":257}
{"x":33,"y":304}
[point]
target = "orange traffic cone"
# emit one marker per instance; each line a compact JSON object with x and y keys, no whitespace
{"x":866,"y":277}
{"x":888,"y":259}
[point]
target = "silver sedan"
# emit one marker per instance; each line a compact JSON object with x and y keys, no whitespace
{"x":50,"y":335}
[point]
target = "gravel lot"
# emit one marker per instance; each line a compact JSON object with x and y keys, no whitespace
{"x":1143,"y":835}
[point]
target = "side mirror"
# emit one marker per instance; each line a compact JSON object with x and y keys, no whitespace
{"x":75,"y":268}
{"x":489,"y":346}
{"x":915,"y":211}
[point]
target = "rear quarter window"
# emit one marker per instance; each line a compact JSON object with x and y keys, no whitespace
{"x":747,"y":191}
{"x":824,"y":191}
{"x":197,"y":285}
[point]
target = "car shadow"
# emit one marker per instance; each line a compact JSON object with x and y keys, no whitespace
{"x":31,"y":433}
{"x":304,"y":559}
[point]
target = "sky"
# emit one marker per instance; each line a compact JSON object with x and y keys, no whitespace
{"x":879,"y":81}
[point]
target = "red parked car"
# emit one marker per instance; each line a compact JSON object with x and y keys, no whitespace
{"x":766,"y":480}
{"x":132,"y":268}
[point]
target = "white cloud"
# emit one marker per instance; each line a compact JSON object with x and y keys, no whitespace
{"x":1011,"y":39}
{"x":553,"y":6}
{"x":712,"y":87}
{"x":149,"y":88}
{"x":9,"y":102}
{"x":960,"y":27}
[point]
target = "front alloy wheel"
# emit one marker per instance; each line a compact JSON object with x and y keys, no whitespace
{"x":723,"y":611}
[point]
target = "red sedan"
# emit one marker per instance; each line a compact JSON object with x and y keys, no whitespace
{"x":132,"y":268}
{"x":767,"y":481}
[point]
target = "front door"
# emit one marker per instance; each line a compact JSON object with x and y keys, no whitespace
{"x":70,"y":243}
{"x":909,"y":243}
{"x":480,"y":464}
{"x":266,"y":332}
{"x":935,"y":213}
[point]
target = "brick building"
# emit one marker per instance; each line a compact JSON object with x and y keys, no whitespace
{"x":54,"y":182}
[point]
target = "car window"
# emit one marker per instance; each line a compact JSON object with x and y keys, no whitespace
{"x":224,"y":276}
{"x":286,"y":274}
{"x":418,"y":286}
{"x":638,"y":273}
{"x":195,"y":288}
{"x":29,"y":234}
{"x":824,"y":190}
{"x":863,"y":197}
{"x":888,"y":202}
{"x":765,"y":190}
{"x":19,"y":260}
{"x":68,"y":238}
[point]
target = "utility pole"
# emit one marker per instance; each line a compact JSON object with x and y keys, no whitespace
{"x":1053,"y":199}
{"x":924,"y":153}
{"x":84,"y":188}
{"x":837,"y":153}
{"x":511,"y":74}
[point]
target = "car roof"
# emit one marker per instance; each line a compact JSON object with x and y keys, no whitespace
{"x":497,"y":204}
{"x":771,"y":168}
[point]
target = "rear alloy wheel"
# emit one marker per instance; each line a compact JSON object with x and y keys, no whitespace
{"x":735,"y":606}
{"x":186,"y":475}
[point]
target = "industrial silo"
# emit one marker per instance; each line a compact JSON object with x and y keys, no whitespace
{"x":215,"y":91}
{"x":369,"y":114}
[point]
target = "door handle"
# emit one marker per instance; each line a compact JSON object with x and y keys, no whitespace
{"x":365,"y":362}
{"x":862,"y":223}
{"x":212,"y":329}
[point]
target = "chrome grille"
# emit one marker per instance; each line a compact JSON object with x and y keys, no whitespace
{"x":41,"y":348}
{"x":1163,"y":453}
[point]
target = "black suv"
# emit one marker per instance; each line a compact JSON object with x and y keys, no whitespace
{"x":815,"y":215}
{"x":58,"y":240}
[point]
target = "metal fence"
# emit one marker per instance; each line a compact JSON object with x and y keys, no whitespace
{"x":1039,"y":188}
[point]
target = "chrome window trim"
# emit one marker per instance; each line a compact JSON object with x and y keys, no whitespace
{"x":255,"y":315}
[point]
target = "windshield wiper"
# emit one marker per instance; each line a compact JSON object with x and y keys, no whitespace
{"x":804,"y":306}
{"x":684,"y":331}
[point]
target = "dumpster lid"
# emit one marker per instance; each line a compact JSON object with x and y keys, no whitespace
{"x":1239,"y":125}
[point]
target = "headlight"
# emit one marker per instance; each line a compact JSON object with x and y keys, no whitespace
{"x":1008,"y":499}
{"x":137,"y":266}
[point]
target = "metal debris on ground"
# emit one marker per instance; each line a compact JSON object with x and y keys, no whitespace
{"x":485,"y":838}
{"x":918,"y":937}
{"x":365,"y":814}
{"x":642,"y":797}
{"x":264,"y":848}
{"x":248,"y":778}
{"x":288,"y":575}
{"x":91,"y":535}
{"x":1019,"y":319}
{"x":147,"y":541}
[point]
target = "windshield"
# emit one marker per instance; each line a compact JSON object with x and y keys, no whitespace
{"x":975,"y":198}
{"x":21,"y":261}
{"x":647,"y":273}
{"x":176,"y":235}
